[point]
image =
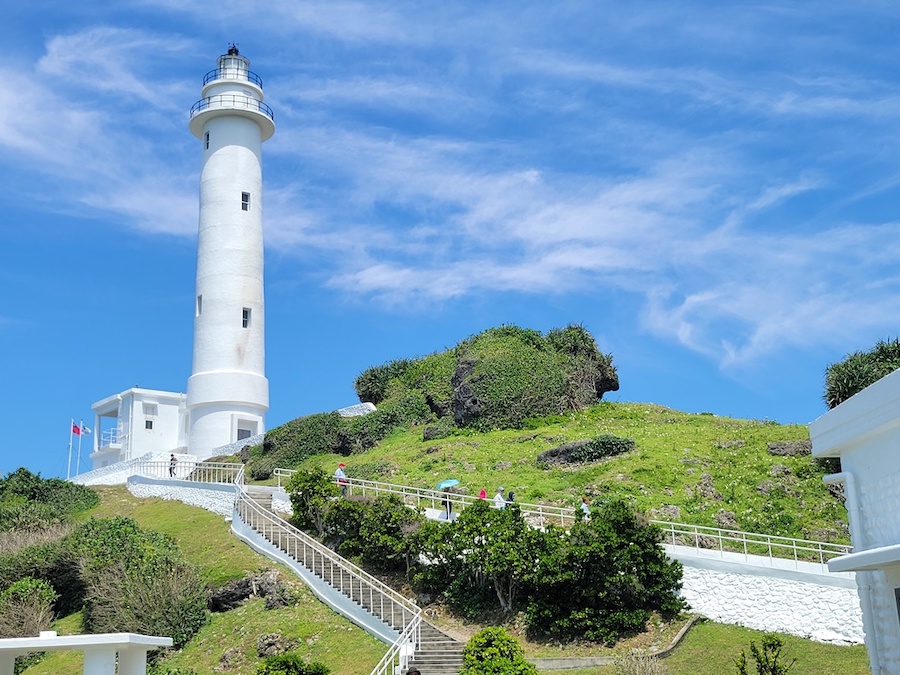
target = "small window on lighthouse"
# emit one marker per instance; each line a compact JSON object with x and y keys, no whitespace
{"x":206,"y":140}
{"x":245,"y":201}
{"x":199,"y":305}
{"x":246,"y":317}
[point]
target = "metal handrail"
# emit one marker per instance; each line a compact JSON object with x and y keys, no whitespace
{"x":537,"y":514}
{"x":233,"y":74}
{"x":541,"y":514}
{"x":190,"y":470}
{"x":749,"y":543}
{"x":231,"y":102}
{"x":383,"y":601}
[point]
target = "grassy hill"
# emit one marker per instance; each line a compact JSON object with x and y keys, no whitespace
{"x":695,"y":468}
{"x":206,"y":541}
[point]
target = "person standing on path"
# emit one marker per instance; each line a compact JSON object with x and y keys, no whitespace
{"x":341,"y":478}
{"x":173,"y":462}
{"x":499,"y":501}
{"x":585,"y":508}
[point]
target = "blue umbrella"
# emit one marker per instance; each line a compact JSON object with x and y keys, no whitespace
{"x":450,"y":482}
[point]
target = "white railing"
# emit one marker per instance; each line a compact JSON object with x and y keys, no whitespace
{"x":749,"y":543}
{"x":190,"y":470}
{"x":536,"y":514}
{"x":713,"y":538}
{"x":380,"y":599}
{"x":109,"y":437}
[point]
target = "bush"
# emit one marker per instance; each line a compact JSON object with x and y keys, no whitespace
{"x":290,"y":663}
{"x":493,"y":651}
{"x":26,"y":608}
{"x":605,"y":445}
{"x":27,"y":501}
{"x":601,"y":582}
{"x":168,"y":601}
{"x":765,"y":657}
{"x":310,"y":491}
{"x":371,"y":385}
{"x":860,"y":369}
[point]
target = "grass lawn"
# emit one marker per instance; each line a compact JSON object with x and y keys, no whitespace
{"x":694,"y":467}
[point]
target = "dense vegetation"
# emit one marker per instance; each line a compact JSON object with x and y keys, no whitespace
{"x":30,"y":503}
{"x":860,"y":369}
{"x":599,"y":581}
{"x":497,"y":379}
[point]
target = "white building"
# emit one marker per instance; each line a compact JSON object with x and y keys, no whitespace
{"x":137,"y":421}
{"x":864,"y":431}
{"x":227,"y":393}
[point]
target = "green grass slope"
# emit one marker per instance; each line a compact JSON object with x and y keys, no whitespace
{"x":696,"y":468}
{"x":205,"y":540}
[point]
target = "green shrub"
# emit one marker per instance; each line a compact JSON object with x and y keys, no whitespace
{"x":27,"y":501}
{"x":602,"y":581}
{"x":492,"y":651}
{"x":167,"y":601}
{"x":765,"y":657}
{"x":310,"y":491}
{"x":605,"y":445}
{"x":26,"y":608}
{"x":371,"y":385}
{"x":860,"y":369}
{"x":290,"y":663}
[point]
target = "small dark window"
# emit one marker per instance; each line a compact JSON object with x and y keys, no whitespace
{"x":206,"y":140}
{"x":243,"y":433}
{"x":199,"y":305}
{"x":245,"y":201}
{"x":246,"y":317}
{"x":148,"y":424}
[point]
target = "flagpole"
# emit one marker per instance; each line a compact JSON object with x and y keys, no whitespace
{"x":69,"y":465}
{"x":80,"y":435}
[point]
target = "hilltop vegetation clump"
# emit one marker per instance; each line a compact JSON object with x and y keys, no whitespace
{"x":498,"y":379}
{"x":860,"y":369}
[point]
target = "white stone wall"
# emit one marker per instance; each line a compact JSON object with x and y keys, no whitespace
{"x":809,"y":610}
{"x":216,"y":498}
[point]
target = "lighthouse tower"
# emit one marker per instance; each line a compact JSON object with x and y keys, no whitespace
{"x":228,"y":393}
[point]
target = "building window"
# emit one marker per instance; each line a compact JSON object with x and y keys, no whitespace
{"x":243,"y":433}
{"x":246,"y":317}
{"x":148,"y":424}
{"x":199,"y":305}
{"x":206,"y":140}
{"x":245,"y":201}
{"x":150,"y":409}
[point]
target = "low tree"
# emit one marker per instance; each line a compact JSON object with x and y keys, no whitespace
{"x":493,"y":651}
{"x":310,"y":492}
{"x":601,"y":581}
{"x":387,"y":534}
{"x":484,"y":552}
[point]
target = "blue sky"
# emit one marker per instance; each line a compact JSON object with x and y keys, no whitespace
{"x":709,"y":188}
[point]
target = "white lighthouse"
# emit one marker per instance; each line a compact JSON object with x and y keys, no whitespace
{"x":227,"y":392}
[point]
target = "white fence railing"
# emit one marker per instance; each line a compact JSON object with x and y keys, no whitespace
{"x":381,"y":600}
{"x":748,"y":543}
{"x":189,"y":470}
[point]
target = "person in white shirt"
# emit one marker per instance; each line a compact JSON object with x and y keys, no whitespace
{"x":499,"y":500}
{"x":341,"y":478}
{"x":585,"y":508}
